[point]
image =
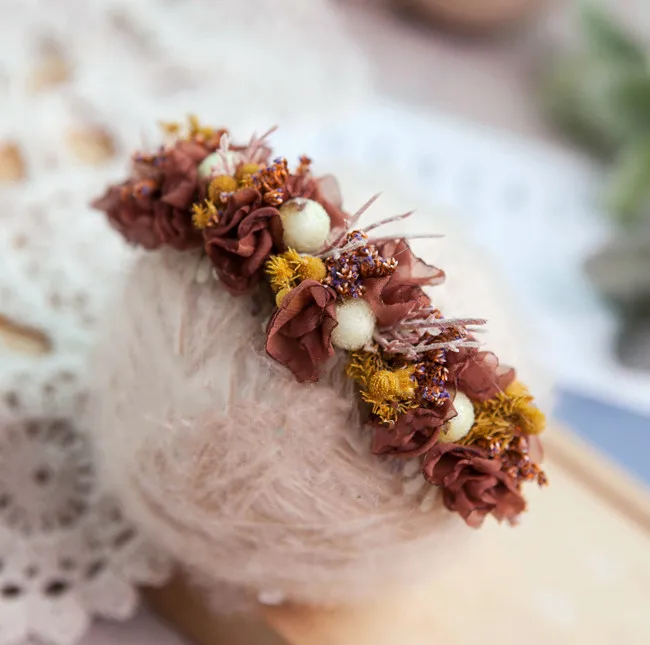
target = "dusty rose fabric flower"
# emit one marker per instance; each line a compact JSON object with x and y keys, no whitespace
{"x":394,"y":297}
{"x":472,"y":484}
{"x":478,"y":374}
{"x":242,"y":241}
{"x":299,"y":333}
{"x":413,"y":434}
{"x":153,"y":207}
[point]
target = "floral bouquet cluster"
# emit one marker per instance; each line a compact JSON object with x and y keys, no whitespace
{"x":427,"y":389}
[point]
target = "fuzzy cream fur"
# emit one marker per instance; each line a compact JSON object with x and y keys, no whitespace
{"x":247,"y":476}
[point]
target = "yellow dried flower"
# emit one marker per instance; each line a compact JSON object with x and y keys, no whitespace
{"x":280,"y":271}
{"x":390,"y":392}
{"x":171,"y":128}
{"x":363,"y":365}
{"x":307,"y":267}
{"x":245,"y":170}
{"x":293,"y":257}
{"x":281,"y":295}
{"x":383,"y":384}
{"x":531,"y":418}
{"x":221,"y":184}
{"x":196,"y":129}
{"x":406,"y":381}
{"x":204,"y":214}
{"x":389,"y":385}
{"x":193,"y":129}
{"x":290,"y":268}
{"x":390,"y":411}
{"x":311,"y":268}
{"x":508,"y":412}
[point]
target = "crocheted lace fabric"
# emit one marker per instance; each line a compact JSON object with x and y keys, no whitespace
{"x":77,"y":81}
{"x":70,"y":68}
{"x":66,"y":551}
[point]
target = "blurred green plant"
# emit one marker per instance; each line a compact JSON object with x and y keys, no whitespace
{"x":600,"y":95}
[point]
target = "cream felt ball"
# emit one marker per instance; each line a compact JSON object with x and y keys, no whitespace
{"x":306,"y":224}
{"x":461,"y":424}
{"x":356,"y":324}
{"x":249,"y":477}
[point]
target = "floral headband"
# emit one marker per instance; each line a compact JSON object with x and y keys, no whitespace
{"x":426,"y":389}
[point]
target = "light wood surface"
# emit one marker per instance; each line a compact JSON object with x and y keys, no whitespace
{"x":576,"y":571}
{"x":186,"y":609}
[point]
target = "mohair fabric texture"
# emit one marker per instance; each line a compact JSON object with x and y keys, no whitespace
{"x":249,"y":477}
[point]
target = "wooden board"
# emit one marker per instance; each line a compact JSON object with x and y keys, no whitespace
{"x":577,"y":570}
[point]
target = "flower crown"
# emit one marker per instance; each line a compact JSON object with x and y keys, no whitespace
{"x":427,"y":390}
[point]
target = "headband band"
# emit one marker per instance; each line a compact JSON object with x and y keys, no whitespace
{"x":428,"y":391}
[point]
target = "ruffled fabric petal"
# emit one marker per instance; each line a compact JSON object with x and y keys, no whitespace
{"x":299,"y":333}
{"x":413,"y":434}
{"x":394,"y":297}
{"x":242,"y":241}
{"x":478,"y":374}
{"x":473,"y":485}
{"x":154,"y":207}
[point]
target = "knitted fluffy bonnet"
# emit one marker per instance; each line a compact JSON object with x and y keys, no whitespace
{"x":256,"y":471}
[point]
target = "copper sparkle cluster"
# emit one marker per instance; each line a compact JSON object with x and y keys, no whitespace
{"x":347,"y":270}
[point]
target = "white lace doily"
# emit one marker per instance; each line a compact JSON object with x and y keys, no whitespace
{"x":70,"y":69}
{"x":66,"y":552}
{"x":246,"y":64}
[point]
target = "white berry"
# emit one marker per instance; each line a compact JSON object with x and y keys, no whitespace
{"x":462,"y":423}
{"x":306,"y":224}
{"x":219,"y":163}
{"x":356,"y":324}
